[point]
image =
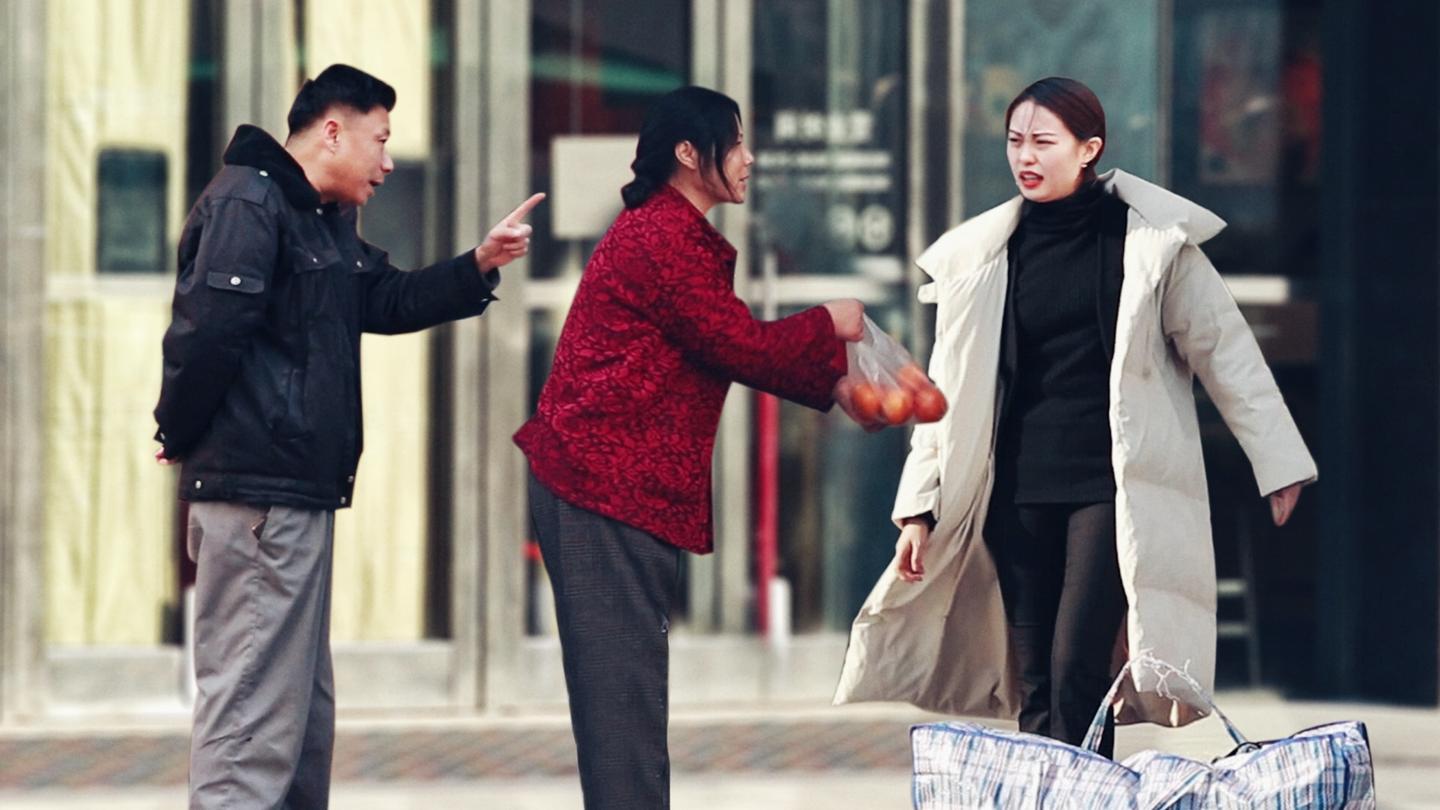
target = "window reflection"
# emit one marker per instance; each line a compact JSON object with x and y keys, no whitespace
{"x":829,"y":136}
{"x":1245,"y":143}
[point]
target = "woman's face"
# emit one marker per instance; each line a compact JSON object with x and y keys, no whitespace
{"x":1046,"y":159}
{"x":737,"y":170}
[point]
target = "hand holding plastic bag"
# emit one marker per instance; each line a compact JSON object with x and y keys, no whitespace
{"x":884,"y":386}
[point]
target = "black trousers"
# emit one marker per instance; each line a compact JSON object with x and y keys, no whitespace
{"x":1064,"y":602}
{"x":613,"y":585}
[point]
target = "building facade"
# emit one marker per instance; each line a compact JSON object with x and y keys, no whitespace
{"x":877,"y":124}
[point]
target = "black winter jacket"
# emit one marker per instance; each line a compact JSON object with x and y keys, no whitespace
{"x":261,"y":393}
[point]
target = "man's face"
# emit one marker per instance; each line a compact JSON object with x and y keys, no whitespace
{"x":360,"y":161}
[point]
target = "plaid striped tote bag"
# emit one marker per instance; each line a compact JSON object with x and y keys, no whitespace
{"x":966,"y":766}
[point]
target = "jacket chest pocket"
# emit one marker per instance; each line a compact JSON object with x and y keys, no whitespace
{"x":364,"y":264}
{"x":321,"y":302}
{"x":308,"y":259}
{"x":321,"y":278}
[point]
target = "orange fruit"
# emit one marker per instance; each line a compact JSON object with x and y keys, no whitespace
{"x":912,"y":377}
{"x":930,"y":404}
{"x":865,"y":400}
{"x":897,"y":405}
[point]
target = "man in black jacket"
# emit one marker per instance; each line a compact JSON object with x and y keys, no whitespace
{"x":260,"y":404}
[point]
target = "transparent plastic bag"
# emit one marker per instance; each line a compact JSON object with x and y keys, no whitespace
{"x":886,"y":386}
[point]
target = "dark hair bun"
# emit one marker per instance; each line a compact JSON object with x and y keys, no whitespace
{"x":637,"y":191}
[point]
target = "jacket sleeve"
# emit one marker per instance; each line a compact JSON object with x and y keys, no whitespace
{"x":919,"y":489}
{"x":1206,"y":327}
{"x":219,"y":305}
{"x":398,"y":301}
{"x":798,"y":358}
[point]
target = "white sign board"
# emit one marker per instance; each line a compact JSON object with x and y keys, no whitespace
{"x":586,"y":173}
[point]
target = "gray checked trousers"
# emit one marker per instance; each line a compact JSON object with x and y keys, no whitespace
{"x":613,"y":585}
{"x":265,"y":705}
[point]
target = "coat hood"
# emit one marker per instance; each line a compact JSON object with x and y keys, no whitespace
{"x":253,"y":147}
{"x":983,"y":236}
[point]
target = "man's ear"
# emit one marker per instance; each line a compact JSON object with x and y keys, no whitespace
{"x":330,"y":131}
{"x":686,"y":155}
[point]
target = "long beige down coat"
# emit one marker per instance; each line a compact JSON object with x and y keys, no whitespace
{"x":940,"y":643}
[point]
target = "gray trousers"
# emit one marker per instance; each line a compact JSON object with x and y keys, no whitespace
{"x":264,"y":723}
{"x":613,"y":586}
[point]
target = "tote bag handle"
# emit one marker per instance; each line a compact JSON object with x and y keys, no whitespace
{"x":1163,"y":670}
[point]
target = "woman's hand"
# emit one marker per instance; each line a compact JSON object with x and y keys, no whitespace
{"x":910,"y":549}
{"x":1282,"y":503}
{"x":848,"y":316}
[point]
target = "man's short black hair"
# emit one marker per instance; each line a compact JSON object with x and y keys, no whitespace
{"x":342,"y":85}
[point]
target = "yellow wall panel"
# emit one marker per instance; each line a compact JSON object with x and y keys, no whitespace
{"x":380,"y":547}
{"x":109,"y":508}
{"x":388,"y":38}
{"x":116,"y":77}
{"x":380,"y":543}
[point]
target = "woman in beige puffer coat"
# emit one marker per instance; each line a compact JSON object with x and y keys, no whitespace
{"x":1057,"y":518}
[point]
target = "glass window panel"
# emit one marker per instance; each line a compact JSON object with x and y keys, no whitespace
{"x":829,"y":136}
{"x":595,"y":68}
{"x":1245,"y":143}
{"x":1246,"y":124}
{"x":389,"y":585}
{"x":837,"y":485}
{"x":131,"y":211}
{"x":115,"y":146}
{"x":830,"y":200}
{"x":1112,"y":47}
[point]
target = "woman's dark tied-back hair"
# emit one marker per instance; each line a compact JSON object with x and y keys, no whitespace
{"x":338,"y":85}
{"x":710,"y":121}
{"x":1074,"y":104}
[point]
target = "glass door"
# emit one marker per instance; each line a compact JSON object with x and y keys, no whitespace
{"x":391,"y":610}
{"x":117,"y":168}
{"x":595,"y":68}
{"x":822,"y":86}
{"x":829,"y":221}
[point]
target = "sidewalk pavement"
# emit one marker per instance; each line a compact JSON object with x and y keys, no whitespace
{"x":760,"y":757}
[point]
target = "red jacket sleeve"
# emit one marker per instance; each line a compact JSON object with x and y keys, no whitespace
{"x":693,"y":302}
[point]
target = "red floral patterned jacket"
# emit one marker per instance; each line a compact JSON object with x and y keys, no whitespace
{"x":626,"y":421}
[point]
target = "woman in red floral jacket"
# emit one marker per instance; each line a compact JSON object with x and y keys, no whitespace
{"x":620,"y":444}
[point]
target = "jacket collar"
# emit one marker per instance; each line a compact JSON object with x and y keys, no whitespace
{"x":985,"y":235}
{"x":1163,"y":208}
{"x":981,"y":237}
{"x":669,"y":201}
{"x":253,"y":147}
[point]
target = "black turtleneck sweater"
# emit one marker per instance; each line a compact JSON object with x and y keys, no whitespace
{"x":1055,"y":434}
